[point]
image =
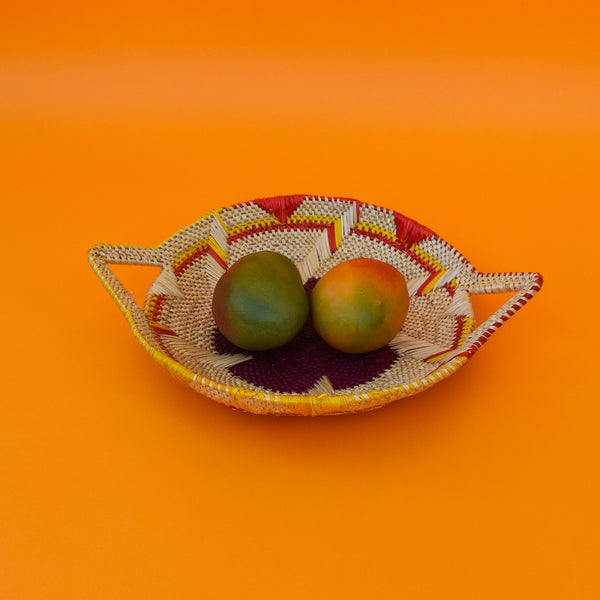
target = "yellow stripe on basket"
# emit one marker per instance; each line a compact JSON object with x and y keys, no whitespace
{"x":255,"y":224}
{"x":337,"y":229}
{"x":432,"y":283}
{"x":318,"y":219}
{"x":181,"y":258}
{"x":377,"y":230}
{"x":424,"y":255}
{"x":468,"y":325}
{"x":221,"y":252}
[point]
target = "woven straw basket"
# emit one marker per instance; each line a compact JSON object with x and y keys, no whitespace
{"x":306,"y":377}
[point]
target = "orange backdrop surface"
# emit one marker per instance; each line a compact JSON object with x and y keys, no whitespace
{"x":122,"y":123}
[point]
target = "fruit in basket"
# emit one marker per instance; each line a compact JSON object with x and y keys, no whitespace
{"x":359,"y":305}
{"x":260,"y":303}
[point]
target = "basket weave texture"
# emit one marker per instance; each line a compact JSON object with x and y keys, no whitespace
{"x":306,"y":377}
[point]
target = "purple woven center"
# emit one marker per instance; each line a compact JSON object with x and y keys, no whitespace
{"x":297,"y":366}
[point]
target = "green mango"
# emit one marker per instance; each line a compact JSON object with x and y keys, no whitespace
{"x":260,"y":303}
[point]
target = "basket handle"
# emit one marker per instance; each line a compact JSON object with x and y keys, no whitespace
{"x":99,"y":257}
{"x":526,"y":285}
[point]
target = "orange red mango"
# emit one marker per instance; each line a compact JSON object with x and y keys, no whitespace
{"x":359,"y":305}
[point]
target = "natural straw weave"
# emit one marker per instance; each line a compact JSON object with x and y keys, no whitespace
{"x":439,"y":335}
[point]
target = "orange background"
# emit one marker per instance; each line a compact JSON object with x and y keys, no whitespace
{"x":122,"y":123}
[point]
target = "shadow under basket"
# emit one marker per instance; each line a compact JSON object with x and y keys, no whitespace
{"x":306,"y":376}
